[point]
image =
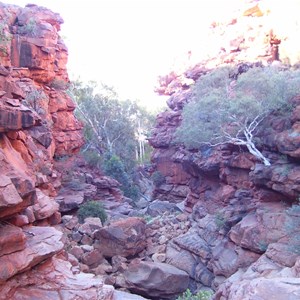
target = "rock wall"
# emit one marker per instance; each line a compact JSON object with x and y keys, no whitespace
{"x":246,"y":228}
{"x":37,"y":124}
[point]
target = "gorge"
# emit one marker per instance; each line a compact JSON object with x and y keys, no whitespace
{"x":219,"y":220}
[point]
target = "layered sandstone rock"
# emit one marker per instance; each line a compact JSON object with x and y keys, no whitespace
{"x":37,"y":125}
{"x":53,"y":279}
{"x":244,"y":229}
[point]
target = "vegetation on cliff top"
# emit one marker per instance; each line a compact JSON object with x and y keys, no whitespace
{"x":229,"y":110}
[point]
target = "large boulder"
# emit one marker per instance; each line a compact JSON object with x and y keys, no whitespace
{"x":42,"y":243}
{"x":158,"y":207}
{"x":53,"y":279}
{"x":257,"y":230}
{"x":153,"y":279}
{"x":125,"y":237}
{"x":44,"y":206}
{"x":190,"y":263}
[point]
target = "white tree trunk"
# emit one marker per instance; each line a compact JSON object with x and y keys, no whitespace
{"x":253,"y":150}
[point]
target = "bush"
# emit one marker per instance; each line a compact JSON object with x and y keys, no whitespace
{"x":114,"y":167}
{"x":30,"y":28}
{"x":158,"y":178}
{"x":223,"y":110}
{"x":92,"y":158}
{"x":202,"y":295}
{"x":92,"y":209}
{"x":59,"y":84}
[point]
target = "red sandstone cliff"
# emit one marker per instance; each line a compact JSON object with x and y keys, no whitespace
{"x":36,"y":124}
{"x":245,"y":239}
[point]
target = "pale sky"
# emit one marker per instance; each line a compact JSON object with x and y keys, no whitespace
{"x":129,"y":43}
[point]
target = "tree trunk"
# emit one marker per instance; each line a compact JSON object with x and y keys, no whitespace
{"x":253,"y":150}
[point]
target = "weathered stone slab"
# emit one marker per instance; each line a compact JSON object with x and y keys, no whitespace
{"x":152,"y":279}
{"x":42,"y":243}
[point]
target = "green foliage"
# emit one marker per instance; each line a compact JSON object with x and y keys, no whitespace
{"x":29,"y":29}
{"x":115,"y":132}
{"x":114,"y":167}
{"x":93,"y":158}
{"x":33,"y":99}
{"x":221,"y":108}
{"x":158,"y":178}
{"x":220,"y":220}
{"x":91,"y":209}
{"x":4,"y":39}
{"x":202,"y":295}
{"x":59,"y":84}
{"x":111,"y":125}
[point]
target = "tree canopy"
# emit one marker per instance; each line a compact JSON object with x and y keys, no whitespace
{"x":227,"y":110}
{"x":111,"y":125}
{"x":115,"y":131}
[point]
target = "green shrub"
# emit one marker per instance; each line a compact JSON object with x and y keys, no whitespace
{"x":30,"y":28}
{"x":93,"y":158}
{"x":59,"y":84}
{"x":5,"y":38}
{"x":158,"y":178}
{"x":202,"y":295}
{"x":223,"y":110}
{"x":114,"y":167}
{"x":92,"y":209}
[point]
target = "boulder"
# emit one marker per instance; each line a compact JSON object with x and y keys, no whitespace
{"x":44,"y":206}
{"x":90,"y":225}
{"x":9,"y":196}
{"x":16,"y":118}
{"x":288,"y":141}
{"x":182,"y":259}
{"x":153,"y":279}
{"x":125,"y":237}
{"x":285,"y":251}
{"x":12,"y":239}
{"x":41,"y":243}
{"x":108,"y":188}
{"x":70,"y":201}
{"x":227,"y":258}
{"x":157,"y":208}
{"x":53,"y":279}
{"x":120,"y":295}
{"x":257,"y":230}
{"x":92,"y":258}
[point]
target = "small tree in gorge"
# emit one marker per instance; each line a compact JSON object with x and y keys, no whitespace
{"x":223,"y":110}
